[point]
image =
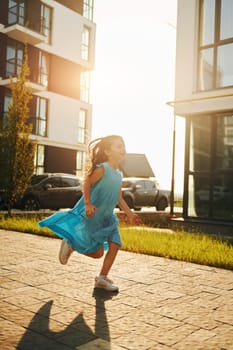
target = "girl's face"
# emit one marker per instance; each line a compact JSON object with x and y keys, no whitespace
{"x":116,"y":152}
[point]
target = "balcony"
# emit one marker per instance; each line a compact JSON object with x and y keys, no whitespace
{"x":21,"y":28}
{"x":34,"y":87}
{"x":10,"y":69}
{"x":23,"y":34}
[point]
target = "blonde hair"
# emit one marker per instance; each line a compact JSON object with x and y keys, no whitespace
{"x":96,"y":152}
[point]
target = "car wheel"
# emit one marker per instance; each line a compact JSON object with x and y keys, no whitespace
{"x":162,"y":205}
{"x":31,"y":204}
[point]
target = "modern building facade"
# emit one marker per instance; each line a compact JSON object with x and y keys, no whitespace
{"x":60,"y":38}
{"x":204,"y":97}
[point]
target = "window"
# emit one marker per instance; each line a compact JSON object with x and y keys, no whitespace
{"x":149,"y":185}
{"x":88,"y":9}
{"x":200,"y":142}
{"x":36,"y":179}
{"x":69,"y":182}
{"x":215,"y":44}
{"x":46,"y":16}
{"x":80,"y":160}
{"x":16,"y":12}
{"x":14,"y":58}
{"x":85,"y":43}
{"x":7,"y":101}
{"x":41,"y":116}
{"x":85,"y":86}
{"x":38,"y":116}
{"x":43,"y":68}
{"x":224,"y":143}
{"x":39,"y":159}
{"x":210,"y":168}
{"x":225,"y":59}
{"x":82,"y":126}
{"x":54,"y":181}
{"x":226,"y":19}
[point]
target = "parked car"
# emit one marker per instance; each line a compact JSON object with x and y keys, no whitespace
{"x":51,"y":191}
{"x":144,"y":192}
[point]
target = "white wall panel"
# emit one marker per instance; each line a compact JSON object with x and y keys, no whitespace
{"x":63,"y":117}
{"x":186,"y":49}
{"x":67,"y":26}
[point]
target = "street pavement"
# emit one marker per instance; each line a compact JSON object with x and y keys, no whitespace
{"x":162,"y":304}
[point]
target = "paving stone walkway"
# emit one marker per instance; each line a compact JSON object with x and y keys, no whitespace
{"x":162,"y":304}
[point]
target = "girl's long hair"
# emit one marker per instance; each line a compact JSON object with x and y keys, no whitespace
{"x":96,"y":152}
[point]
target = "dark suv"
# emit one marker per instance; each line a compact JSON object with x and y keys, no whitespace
{"x":144,"y":192}
{"x":51,"y":191}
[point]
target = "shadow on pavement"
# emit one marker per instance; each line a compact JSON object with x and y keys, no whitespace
{"x":101,"y":322}
{"x":38,"y":335}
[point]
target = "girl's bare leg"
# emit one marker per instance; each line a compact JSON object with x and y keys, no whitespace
{"x":96,"y":255}
{"x":109,"y":258}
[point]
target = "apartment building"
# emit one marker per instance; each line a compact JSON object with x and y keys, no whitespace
{"x":60,"y":36}
{"x":204,"y":97}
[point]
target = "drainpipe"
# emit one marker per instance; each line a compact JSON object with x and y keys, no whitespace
{"x":173,"y":167}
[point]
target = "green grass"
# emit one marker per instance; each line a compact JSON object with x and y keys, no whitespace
{"x":191,"y":247}
{"x":25,"y":225}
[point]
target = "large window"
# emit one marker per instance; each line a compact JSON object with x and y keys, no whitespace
{"x":200,"y":143}
{"x":85,"y":86}
{"x":43,"y":68}
{"x":82,"y":125}
{"x":16,"y":12}
{"x":210,"y":168}
{"x":39,"y":159}
{"x":7,"y":102}
{"x":46,"y":23}
{"x":41,"y":116}
{"x":88,"y":9}
{"x":80,"y":161}
{"x":14,"y":58}
{"x":215,"y":44}
{"x":85,"y":43}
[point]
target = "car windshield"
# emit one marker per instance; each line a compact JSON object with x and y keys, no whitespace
{"x":37,"y":179}
{"x":126,"y":184}
{"x":70,"y":182}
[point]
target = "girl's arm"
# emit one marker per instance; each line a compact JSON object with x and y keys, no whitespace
{"x":134,"y":218}
{"x":88,"y":182}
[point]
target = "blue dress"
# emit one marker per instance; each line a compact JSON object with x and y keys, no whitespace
{"x":87,"y":235}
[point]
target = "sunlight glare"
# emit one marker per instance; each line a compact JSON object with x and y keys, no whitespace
{"x":134,"y":78}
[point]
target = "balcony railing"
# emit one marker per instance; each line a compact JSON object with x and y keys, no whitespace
{"x":9,"y":71}
{"x":21,"y":29}
{"x":16,"y":15}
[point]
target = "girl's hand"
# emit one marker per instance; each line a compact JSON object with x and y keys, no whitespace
{"x":90,"y":210}
{"x":135,"y":219}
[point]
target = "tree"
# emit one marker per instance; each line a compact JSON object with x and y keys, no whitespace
{"x":16,"y":149}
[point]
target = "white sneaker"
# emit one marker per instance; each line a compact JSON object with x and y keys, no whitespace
{"x":65,"y":252}
{"x":105,"y":283}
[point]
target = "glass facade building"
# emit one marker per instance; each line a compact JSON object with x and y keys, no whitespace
{"x":205,"y":100}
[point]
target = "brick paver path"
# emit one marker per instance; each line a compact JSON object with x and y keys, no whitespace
{"x":162,"y":304}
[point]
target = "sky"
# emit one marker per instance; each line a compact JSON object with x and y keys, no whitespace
{"x":133,"y":79}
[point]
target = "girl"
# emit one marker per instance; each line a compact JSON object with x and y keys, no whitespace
{"x":92,"y":221}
